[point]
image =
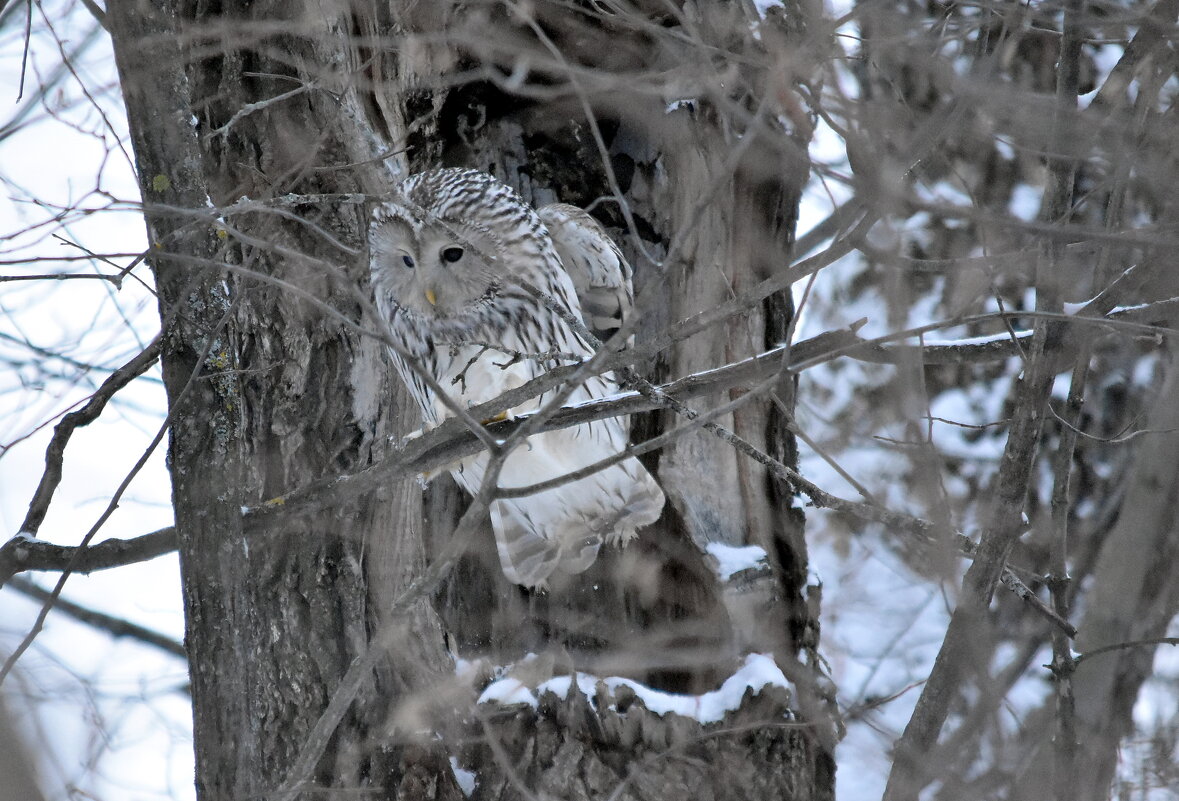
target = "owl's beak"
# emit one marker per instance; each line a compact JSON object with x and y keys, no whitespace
{"x":431,"y":297}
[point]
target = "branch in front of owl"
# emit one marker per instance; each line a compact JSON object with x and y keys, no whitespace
{"x":712,"y":381}
{"x":449,"y":442}
{"x":356,"y":295}
{"x":549,"y":358}
{"x":453,"y":440}
{"x":655,"y":443}
{"x":818,"y":496}
{"x":516,"y":356}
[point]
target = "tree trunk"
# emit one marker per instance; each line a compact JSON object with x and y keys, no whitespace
{"x":275,"y":381}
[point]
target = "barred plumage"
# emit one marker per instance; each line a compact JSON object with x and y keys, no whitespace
{"x":449,"y":254}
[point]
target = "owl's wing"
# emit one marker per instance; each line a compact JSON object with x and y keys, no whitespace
{"x":599,"y":271}
{"x":527,"y":556}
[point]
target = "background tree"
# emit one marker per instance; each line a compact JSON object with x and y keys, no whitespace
{"x":983,"y":350}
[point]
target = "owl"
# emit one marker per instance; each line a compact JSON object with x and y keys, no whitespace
{"x":451,"y":255}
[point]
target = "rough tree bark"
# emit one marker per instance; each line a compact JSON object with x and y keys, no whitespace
{"x":265,"y":395}
{"x":273,"y":382}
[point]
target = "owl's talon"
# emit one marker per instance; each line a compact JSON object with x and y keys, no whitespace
{"x":412,"y":435}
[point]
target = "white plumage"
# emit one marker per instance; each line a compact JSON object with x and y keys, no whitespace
{"x":450,"y":257}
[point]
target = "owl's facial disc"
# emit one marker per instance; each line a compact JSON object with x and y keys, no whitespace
{"x":448,"y":275}
{"x":439,"y":270}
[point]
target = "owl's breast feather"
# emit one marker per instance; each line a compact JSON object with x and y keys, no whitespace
{"x":476,"y":374}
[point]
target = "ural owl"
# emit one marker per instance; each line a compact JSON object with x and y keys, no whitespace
{"x":451,"y":254}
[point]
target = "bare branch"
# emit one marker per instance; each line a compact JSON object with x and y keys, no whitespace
{"x":113,"y":504}
{"x":250,"y":108}
{"x":55,"y":453}
{"x":22,"y":553}
{"x":114,"y":626}
{"x":114,"y":279}
{"x":1121,"y":646}
{"x":1155,"y":32}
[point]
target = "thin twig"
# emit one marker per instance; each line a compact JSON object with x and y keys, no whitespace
{"x":39,"y":623}
{"x":114,"y":626}
{"x":114,"y":279}
{"x":1121,"y":646}
{"x":24,"y":56}
{"x":1064,"y":664}
{"x":55,"y":452}
{"x":250,"y":108}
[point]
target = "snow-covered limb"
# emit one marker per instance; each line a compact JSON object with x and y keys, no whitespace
{"x":993,"y":347}
{"x":24,"y":553}
{"x":757,"y":672}
{"x":666,"y":739}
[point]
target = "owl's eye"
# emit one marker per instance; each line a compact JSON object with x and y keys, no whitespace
{"x":407,"y":261}
{"x":452,"y":254}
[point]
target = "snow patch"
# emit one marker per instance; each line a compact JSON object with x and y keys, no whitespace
{"x":1144,"y":371}
{"x":757,"y":672}
{"x":980,"y":340}
{"x":1025,"y":202}
{"x":733,"y":559}
{"x":507,"y":692}
{"x":1125,"y":309}
{"x":467,"y":780}
{"x":465,"y":669}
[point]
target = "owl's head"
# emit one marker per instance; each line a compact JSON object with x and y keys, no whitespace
{"x":444,"y":247}
{"x":432,"y":268}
